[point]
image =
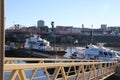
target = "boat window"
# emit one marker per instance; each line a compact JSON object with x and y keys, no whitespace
{"x":41,"y":44}
{"x":31,"y":42}
{"x":101,"y":53}
{"x":39,"y":41}
{"x":105,"y":53}
{"x":110,"y":54}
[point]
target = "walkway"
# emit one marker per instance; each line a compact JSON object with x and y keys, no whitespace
{"x":58,"y":69}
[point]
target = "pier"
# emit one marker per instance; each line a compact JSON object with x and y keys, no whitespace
{"x":59,"y":69}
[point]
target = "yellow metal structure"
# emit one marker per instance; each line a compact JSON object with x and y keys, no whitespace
{"x":58,"y":69}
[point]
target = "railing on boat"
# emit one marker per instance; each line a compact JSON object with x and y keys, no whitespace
{"x":58,"y":69}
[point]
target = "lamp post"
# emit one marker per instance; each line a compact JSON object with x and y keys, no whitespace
{"x":54,"y":38}
{"x":52,"y":24}
{"x":2,"y":39}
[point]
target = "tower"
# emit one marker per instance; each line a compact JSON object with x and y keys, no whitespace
{"x":103,"y":27}
{"x":40,"y":23}
{"x":82,"y":25}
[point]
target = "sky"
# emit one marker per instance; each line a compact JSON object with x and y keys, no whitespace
{"x":63,"y":12}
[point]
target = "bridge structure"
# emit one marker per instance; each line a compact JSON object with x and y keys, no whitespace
{"x":57,"y":69}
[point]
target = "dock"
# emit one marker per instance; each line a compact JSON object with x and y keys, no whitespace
{"x":60,"y":69}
